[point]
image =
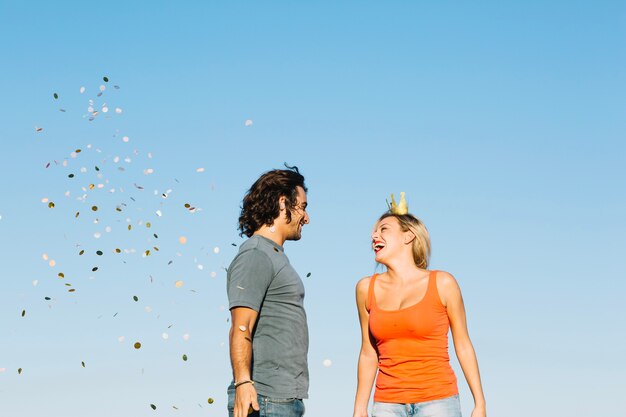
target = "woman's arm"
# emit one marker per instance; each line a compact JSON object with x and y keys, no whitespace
{"x":452,"y":299}
{"x":368,"y":358}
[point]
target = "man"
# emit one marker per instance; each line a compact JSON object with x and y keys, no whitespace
{"x":269,"y":337}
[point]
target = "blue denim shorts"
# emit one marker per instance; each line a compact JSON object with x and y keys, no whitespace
{"x":446,"y":407}
{"x":270,"y":407}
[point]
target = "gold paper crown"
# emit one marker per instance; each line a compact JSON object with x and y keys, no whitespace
{"x":400,"y":208}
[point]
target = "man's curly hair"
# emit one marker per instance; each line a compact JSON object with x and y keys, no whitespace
{"x":260,"y":204}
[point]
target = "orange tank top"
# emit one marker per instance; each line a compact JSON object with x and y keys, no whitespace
{"x":412,"y":343}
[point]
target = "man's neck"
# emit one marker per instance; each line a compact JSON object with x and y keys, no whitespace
{"x":276,"y":236}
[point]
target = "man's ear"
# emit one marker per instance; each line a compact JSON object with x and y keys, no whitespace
{"x":281,"y":202}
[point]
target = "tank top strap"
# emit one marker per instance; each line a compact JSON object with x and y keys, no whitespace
{"x":371,"y":298}
{"x":432,"y":291}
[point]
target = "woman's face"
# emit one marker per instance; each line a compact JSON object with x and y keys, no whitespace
{"x":387,"y":239}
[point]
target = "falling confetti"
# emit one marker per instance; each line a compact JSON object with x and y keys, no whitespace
{"x":248,"y":122}
{"x":243,"y":328}
{"x":19,"y":371}
{"x":165,"y":336}
{"x":83,"y":363}
{"x":308,"y":275}
{"x":179,"y":284}
{"x":211,"y":400}
{"x":105,"y":79}
{"x":216,"y":250}
{"x":137,"y":345}
{"x":153,"y":406}
{"x":82,"y":90}
{"x":121,"y":339}
{"x":185,"y":358}
{"x":23,"y":313}
{"x":56,"y":96}
{"x":327,"y":363}
{"x":135,"y":298}
{"x":186,"y":337}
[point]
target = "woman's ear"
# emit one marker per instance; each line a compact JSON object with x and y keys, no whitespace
{"x":409,"y":237}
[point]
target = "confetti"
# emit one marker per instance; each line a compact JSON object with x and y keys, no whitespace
{"x":137,"y":345}
{"x":118,"y":110}
{"x":185,"y":358}
{"x":182,"y":240}
{"x":165,"y":336}
{"x":125,"y":139}
{"x":83,"y":363}
{"x":216,"y":250}
{"x":153,"y":406}
{"x":248,"y":122}
{"x":3,"y":370}
{"x":186,"y":337}
{"x":121,"y":339}
{"x":327,"y":363}
{"x":211,"y":401}
{"x":23,"y":313}
{"x":243,"y":328}
{"x":308,"y":275}
{"x":51,"y":205}
{"x":179,"y":284}
{"x":38,"y":129}
{"x":135,"y":298}
{"x":82,"y":90}
{"x":56,"y":96}
{"x":99,"y":252}
{"x":94,"y":208}
{"x":35,"y":282}
{"x":19,"y":371}
{"x":105,"y":79}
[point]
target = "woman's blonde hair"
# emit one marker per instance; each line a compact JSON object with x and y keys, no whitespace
{"x":421,"y":243}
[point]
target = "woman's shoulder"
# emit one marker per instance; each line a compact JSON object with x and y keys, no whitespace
{"x":446,"y":286}
{"x":444,"y":277}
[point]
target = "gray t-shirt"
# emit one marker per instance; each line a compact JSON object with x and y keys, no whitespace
{"x":261,"y":278}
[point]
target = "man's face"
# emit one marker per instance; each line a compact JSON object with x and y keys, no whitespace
{"x":299,"y":216}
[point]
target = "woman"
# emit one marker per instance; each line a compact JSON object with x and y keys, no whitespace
{"x":405,"y":315}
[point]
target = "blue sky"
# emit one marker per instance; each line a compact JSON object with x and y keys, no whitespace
{"x":504,"y":122}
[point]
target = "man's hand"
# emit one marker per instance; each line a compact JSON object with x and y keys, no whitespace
{"x":246,"y":400}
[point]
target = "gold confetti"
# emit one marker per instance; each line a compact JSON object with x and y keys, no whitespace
{"x":137,"y":345}
{"x":182,"y":240}
{"x":211,"y":400}
{"x":94,"y":208}
{"x":179,"y":284}
{"x":51,"y":205}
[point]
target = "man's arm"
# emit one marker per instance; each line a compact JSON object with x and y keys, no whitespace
{"x":243,"y":320}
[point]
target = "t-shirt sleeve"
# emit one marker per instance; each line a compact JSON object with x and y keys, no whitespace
{"x":249,"y":276}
